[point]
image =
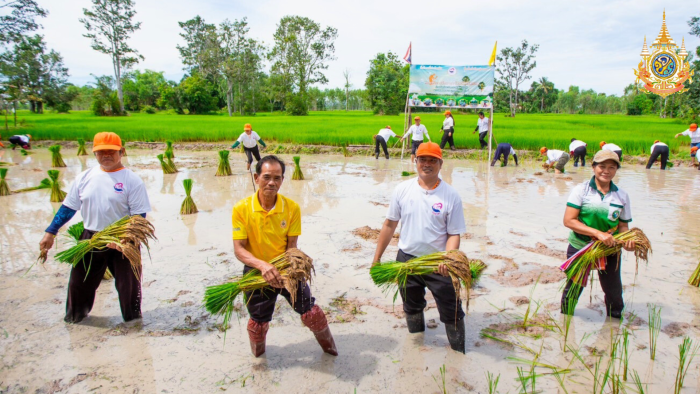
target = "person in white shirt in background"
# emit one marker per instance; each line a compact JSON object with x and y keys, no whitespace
{"x":250,"y":140}
{"x":555,"y":156}
{"x":482,"y":126}
{"x":577,"y":149}
{"x":612,"y":148}
{"x":694,"y":135}
{"x":658,"y":149}
{"x":448,"y":131}
{"x":418,"y":132}
{"x":382,"y":138}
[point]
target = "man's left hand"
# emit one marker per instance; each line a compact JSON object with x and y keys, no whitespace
{"x":114,"y":246}
{"x":442,"y":270}
{"x":629,"y":246}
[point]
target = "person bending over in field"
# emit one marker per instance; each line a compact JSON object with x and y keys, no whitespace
{"x":382,"y":138}
{"x":555,"y":156}
{"x":506,"y":150}
{"x":250,"y":140}
{"x":659,"y":149}
{"x":612,"y":148}
{"x":577,"y":150}
{"x":21,"y":140}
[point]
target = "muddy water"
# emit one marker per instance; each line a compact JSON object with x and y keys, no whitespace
{"x":513,"y":223}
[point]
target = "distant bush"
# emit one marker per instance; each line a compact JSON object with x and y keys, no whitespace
{"x":147,"y":109}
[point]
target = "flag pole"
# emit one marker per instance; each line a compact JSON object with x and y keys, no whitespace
{"x":407,"y":108}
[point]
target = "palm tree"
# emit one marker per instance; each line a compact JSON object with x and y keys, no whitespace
{"x":545,"y":86}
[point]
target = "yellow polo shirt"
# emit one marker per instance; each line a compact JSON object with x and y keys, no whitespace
{"x":266,"y":232}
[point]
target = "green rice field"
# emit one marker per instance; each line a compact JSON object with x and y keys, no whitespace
{"x":635,"y":134}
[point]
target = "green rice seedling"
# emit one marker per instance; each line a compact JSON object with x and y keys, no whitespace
{"x":44,"y":184}
{"x":165,"y":166}
{"x":625,"y":356}
{"x":279,"y":149}
{"x":81,"y":147}
{"x":407,"y":173}
{"x":4,"y":188}
{"x":169,"y":160}
{"x":188,"y":206}
{"x":492,"y":382}
{"x":224,"y":165}
{"x":528,"y":313}
{"x":695,"y":277}
{"x":527,"y":379}
{"x":560,"y":379}
{"x":442,"y":383}
{"x":654,"y":328}
{"x":169,"y":148}
{"x":75,"y":231}
{"x":346,"y":152}
{"x":57,"y":195}
{"x":477,"y":267}
{"x":641,"y":387}
{"x":568,"y":317}
{"x":686,"y":353}
{"x":297,"y":176}
{"x":56,"y":158}
{"x":24,"y":152}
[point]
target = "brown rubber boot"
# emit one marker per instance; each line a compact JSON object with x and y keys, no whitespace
{"x":316,"y":321}
{"x":257,"y":333}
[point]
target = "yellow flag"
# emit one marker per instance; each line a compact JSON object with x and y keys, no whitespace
{"x":492,"y":60}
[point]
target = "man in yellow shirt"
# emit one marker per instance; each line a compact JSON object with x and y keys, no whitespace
{"x":265,"y":225}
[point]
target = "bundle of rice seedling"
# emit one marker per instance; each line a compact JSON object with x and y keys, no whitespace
{"x":477,"y":268}
{"x":188,"y":206}
{"x":81,"y":147}
{"x":57,"y":195}
{"x":297,"y":176}
{"x":169,"y":159}
{"x":224,"y":166}
{"x":407,"y":173}
{"x":295,"y":267}
{"x":128,"y":233}
{"x":694,"y":279}
{"x":4,"y":189}
{"x":56,"y":158}
{"x":24,"y":152}
{"x":394,"y":274}
{"x":346,"y":152}
{"x":165,"y":166}
{"x":169,"y":148}
{"x":44,"y":184}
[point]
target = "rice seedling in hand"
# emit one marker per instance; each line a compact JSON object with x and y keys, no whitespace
{"x":686,"y":353}
{"x":4,"y":189}
{"x":188,"y":205}
{"x":695,"y":277}
{"x":81,"y":147}
{"x":169,"y":148}
{"x":169,"y":156}
{"x":295,"y":267}
{"x":407,"y":173}
{"x":654,"y":328}
{"x":57,"y":195}
{"x":164,"y":165}
{"x":224,"y":165}
{"x":56,"y":158}
{"x":297,"y":176}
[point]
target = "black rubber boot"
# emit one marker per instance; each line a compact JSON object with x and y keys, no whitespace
{"x":456,"y":335}
{"x":376,"y":156}
{"x":415,"y":323}
{"x":387,"y":156}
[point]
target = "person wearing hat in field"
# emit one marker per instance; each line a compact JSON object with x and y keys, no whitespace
{"x":103,"y":195}
{"x":596,"y":210}
{"x":482,"y":126}
{"x":265,"y":225}
{"x":555,"y":156}
{"x":382,"y":138}
{"x":432,"y":219}
{"x":250,"y":140}
{"x":577,"y":150}
{"x":505,"y":149}
{"x":694,"y":135}
{"x":659,"y":149}
{"x":612,"y":148}
{"x":448,"y":131}
{"x":21,"y":140}
{"x":418,"y":133}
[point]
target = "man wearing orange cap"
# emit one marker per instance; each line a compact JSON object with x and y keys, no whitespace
{"x":103,"y":194}
{"x":694,"y":135}
{"x":658,"y":149}
{"x":448,"y":131}
{"x":555,"y":156}
{"x":418,"y":133}
{"x":432,"y":219}
{"x":250,"y":140}
{"x":21,"y":140}
{"x":382,"y":138}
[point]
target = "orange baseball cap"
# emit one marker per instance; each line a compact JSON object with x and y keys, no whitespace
{"x":448,"y":112}
{"x":416,"y":118}
{"x":543,"y":149}
{"x":694,"y":149}
{"x":657,"y":141}
{"x":602,"y":144}
{"x":29,"y":136}
{"x":247,"y":126}
{"x":106,"y":140}
{"x":388,"y":127}
{"x":693,"y":127}
{"x":429,"y":149}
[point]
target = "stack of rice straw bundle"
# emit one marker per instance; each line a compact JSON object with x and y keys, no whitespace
{"x":57,"y":195}
{"x":128,"y":233}
{"x":56,"y":158}
{"x":4,"y":189}
{"x":393,"y":274}
{"x":297,"y":176}
{"x":81,"y":147}
{"x":695,"y":278}
{"x":295,"y":267}
{"x":165,"y":166}
{"x":188,"y":206}
{"x":224,"y":166}
{"x":169,"y":155}
{"x":593,"y":256}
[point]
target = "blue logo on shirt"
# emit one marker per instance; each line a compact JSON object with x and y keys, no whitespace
{"x":437,"y":208}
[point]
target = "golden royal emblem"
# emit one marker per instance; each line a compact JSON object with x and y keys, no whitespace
{"x":663,"y":70}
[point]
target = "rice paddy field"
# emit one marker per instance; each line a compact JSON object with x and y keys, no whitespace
{"x":516,"y":338}
{"x":635,"y":134}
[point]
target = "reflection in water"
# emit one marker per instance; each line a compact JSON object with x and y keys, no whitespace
{"x":189,"y":221}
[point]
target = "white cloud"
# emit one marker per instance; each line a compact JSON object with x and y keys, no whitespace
{"x":593,"y":44}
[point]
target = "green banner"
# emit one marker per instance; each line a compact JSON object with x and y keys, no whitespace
{"x":451,"y":86}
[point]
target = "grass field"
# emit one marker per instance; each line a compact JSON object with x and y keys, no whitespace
{"x":526,"y":131}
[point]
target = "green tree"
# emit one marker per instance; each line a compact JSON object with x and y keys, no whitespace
{"x":200,"y":39}
{"x":109,"y":25}
{"x":544,"y":87}
{"x":104,"y":99}
{"x":514,"y":66}
{"x":387,"y":84}
{"x":17,"y":18}
{"x":142,"y":88}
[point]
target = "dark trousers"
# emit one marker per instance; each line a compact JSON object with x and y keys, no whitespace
{"x":619,"y":154}
{"x":659,"y":151}
{"x":610,"y":282}
{"x":82,"y":285}
{"x":380,"y":141}
{"x":413,"y":295}
{"x":261,"y":303}
{"x":15,"y":140}
{"x":482,"y":140}
{"x":448,"y":136}
{"x":414,"y":146}
{"x":504,"y":150}
{"x":250,"y":152}
{"x":580,"y":153}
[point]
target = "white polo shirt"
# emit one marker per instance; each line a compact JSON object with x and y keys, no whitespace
{"x":249,"y":141}
{"x":448,"y":123}
{"x":554,"y":155}
{"x":23,"y":138}
{"x":694,"y":135}
{"x":418,"y":132}
{"x":611,"y":147}
{"x":386,"y":134}
{"x":576,"y":144}
{"x":426,"y":216}
{"x":483,"y":125}
{"x":655,"y":145}
{"x":105,"y":197}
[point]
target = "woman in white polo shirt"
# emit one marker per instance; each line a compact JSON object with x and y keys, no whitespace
{"x":250,"y":140}
{"x":103,"y":195}
{"x":432,"y":219}
{"x":448,"y":131}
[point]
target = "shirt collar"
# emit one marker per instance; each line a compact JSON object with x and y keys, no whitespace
{"x":613,"y":187}
{"x":257,"y":207}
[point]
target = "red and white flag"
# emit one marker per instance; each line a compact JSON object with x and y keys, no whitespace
{"x":407,"y":58}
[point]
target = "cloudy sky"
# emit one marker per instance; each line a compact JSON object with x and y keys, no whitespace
{"x":593,"y":44}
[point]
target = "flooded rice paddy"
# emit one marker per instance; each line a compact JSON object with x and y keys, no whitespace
{"x":514,"y":224}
